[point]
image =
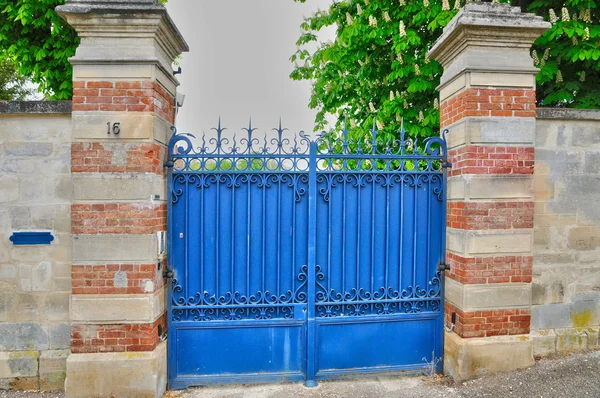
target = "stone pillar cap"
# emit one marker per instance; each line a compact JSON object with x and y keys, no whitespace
{"x":113,"y":6}
{"x":488,"y":24}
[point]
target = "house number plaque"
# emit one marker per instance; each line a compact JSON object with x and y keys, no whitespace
{"x":113,"y":128}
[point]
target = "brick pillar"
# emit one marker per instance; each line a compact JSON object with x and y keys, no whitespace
{"x":123,"y":106}
{"x":487,"y":97}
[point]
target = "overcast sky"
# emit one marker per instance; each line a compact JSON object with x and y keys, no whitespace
{"x":238,"y":65}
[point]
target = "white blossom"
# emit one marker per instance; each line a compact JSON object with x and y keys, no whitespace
{"x":361,"y":63}
{"x":436,"y":103}
{"x":405,"y":105}
{"x":367,"y":2}
{"x":399,"y":58}
{"x":402,"y":2}
{"x":386,"y":16}
{"x":349,"y":18}
{"x":546,"y":54}
{"x":586,"y":35}
{"x":402,"y":29}
{"x":445,"y":5}
{"x":379,"y":125}
{"x":391,"y":95}
{"x":372,"y":107}
{"x":457,"y":5}
{"x":582,"y":76}
{"x":575,"y":41}
{"x":417,"y":70}
{"x":559,"y":77}
{"x":534,"y":55}
{"x":372,"y":21}
{"x":426,"y":3}
{"x":352,"y":123}
{"x":565,"y":14}
{"x":358,"y":9}
{"x":421,"y":116}
{"x":427,"y":59}
{"x":553,"y":18}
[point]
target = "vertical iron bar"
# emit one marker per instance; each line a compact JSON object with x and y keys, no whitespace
{"x":400,"y":252}
{"x":373,"y":233}
{"x":248,"y":225}
{"x":232,"y":243}
{"x":264,"y":232}
{"x":387,"y":230}
{"x":329,"y":234}
{"x":429,"y":231}
{"x":217,"y":240}
{"x":202,"y":181}
{"x":358,"y":182}
{"x":343,"y":289}
{"x":414,"y":275}
{"x":278,"y":211}
{"x":185,"y":240}
{"x":293,"y":273}
{"x":312,"y":263}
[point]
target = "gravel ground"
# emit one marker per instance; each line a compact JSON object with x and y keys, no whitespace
{"x":574,"y":376}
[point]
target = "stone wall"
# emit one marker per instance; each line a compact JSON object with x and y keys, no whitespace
{"x":35,"y":281}
{"x":566,"y":268}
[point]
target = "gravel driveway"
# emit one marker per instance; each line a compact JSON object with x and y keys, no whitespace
{"x":574,"y":376}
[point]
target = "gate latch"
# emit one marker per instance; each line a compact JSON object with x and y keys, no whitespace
{"x":444,"y":267}
{"x":168,"y":274}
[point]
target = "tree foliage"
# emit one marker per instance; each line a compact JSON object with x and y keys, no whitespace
{"x":377,"y":68}
{"x":12,"y":86}
{"x":40,"y":43}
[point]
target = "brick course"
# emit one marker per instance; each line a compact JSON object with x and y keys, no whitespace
{"x":488,"y":323}
{"x":121,"y":157}
{"x":123,"y":96}
{"x":490,"y":215}
{"x":487,"y":102}
{"x":477,"y":159}
{"x":484,"y":270}
{"x":118,"y":218}
{"x":116,"y":338}
{"x":116,"y":279}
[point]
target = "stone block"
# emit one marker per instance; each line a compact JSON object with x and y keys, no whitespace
{"x":576,"y":339}
{"x":489,"y":242}
{"x":18,"y":364}
{"x":490,"y":187}
{"x":575,"y":314}
{"x":23,"y":148}
{"x":7,"y":271}
{"x":544,"y":342}
{"x":60,"y":336}
{"x":139,"y":375}
{"x":118,"y":186}
{"x":491,"y":131}
{"x":488,"y":296}
{"x":53,"y":370}
{"x":56,"y":306}
{"x":466,"y":359}
{"x":138,"y":248}
{"x":23,"y":336}
{"x":41,"y":277}
{"x":9,"y":186}
{"x":118,"y":308}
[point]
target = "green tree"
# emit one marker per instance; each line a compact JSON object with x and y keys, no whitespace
{"x":13,"y":87}
{"x":377,"y":67}
{"x":40,"y":43}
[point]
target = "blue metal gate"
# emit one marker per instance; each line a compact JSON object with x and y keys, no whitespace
{"x":299,"y":259}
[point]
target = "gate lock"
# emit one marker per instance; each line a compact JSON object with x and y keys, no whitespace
{"x":444,"y":267}
{"x":168,"y":274}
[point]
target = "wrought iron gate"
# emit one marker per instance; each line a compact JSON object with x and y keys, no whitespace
{"x":304,"y":259}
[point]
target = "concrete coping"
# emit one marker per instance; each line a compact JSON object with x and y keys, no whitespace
{"x":126,"y":7}
{"x":568,"y":114}
{"x":35,"y":107}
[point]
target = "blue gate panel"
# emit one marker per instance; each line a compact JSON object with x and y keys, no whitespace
{"x":238,"y":353}
{"x":372,"y":344}
{"x":304,"y":259}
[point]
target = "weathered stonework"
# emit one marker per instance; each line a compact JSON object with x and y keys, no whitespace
{"x":123,"y":106}
{"x":35,"y":281}
{"x":488,"y":87}
{"x":566,"y":267}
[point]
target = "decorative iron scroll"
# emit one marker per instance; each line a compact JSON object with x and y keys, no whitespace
{"x":233,"y":180}
{"x":358,"y":302}
{"x":386,"y":180}
{"x":236,"y":306}
{"x":277,"y":154}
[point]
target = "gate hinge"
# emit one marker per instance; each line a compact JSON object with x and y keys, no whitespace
{"x":169,"y":274}
{"x":446,"y":164}
{"x":168,"y":164}
{"x":444,"y":267}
